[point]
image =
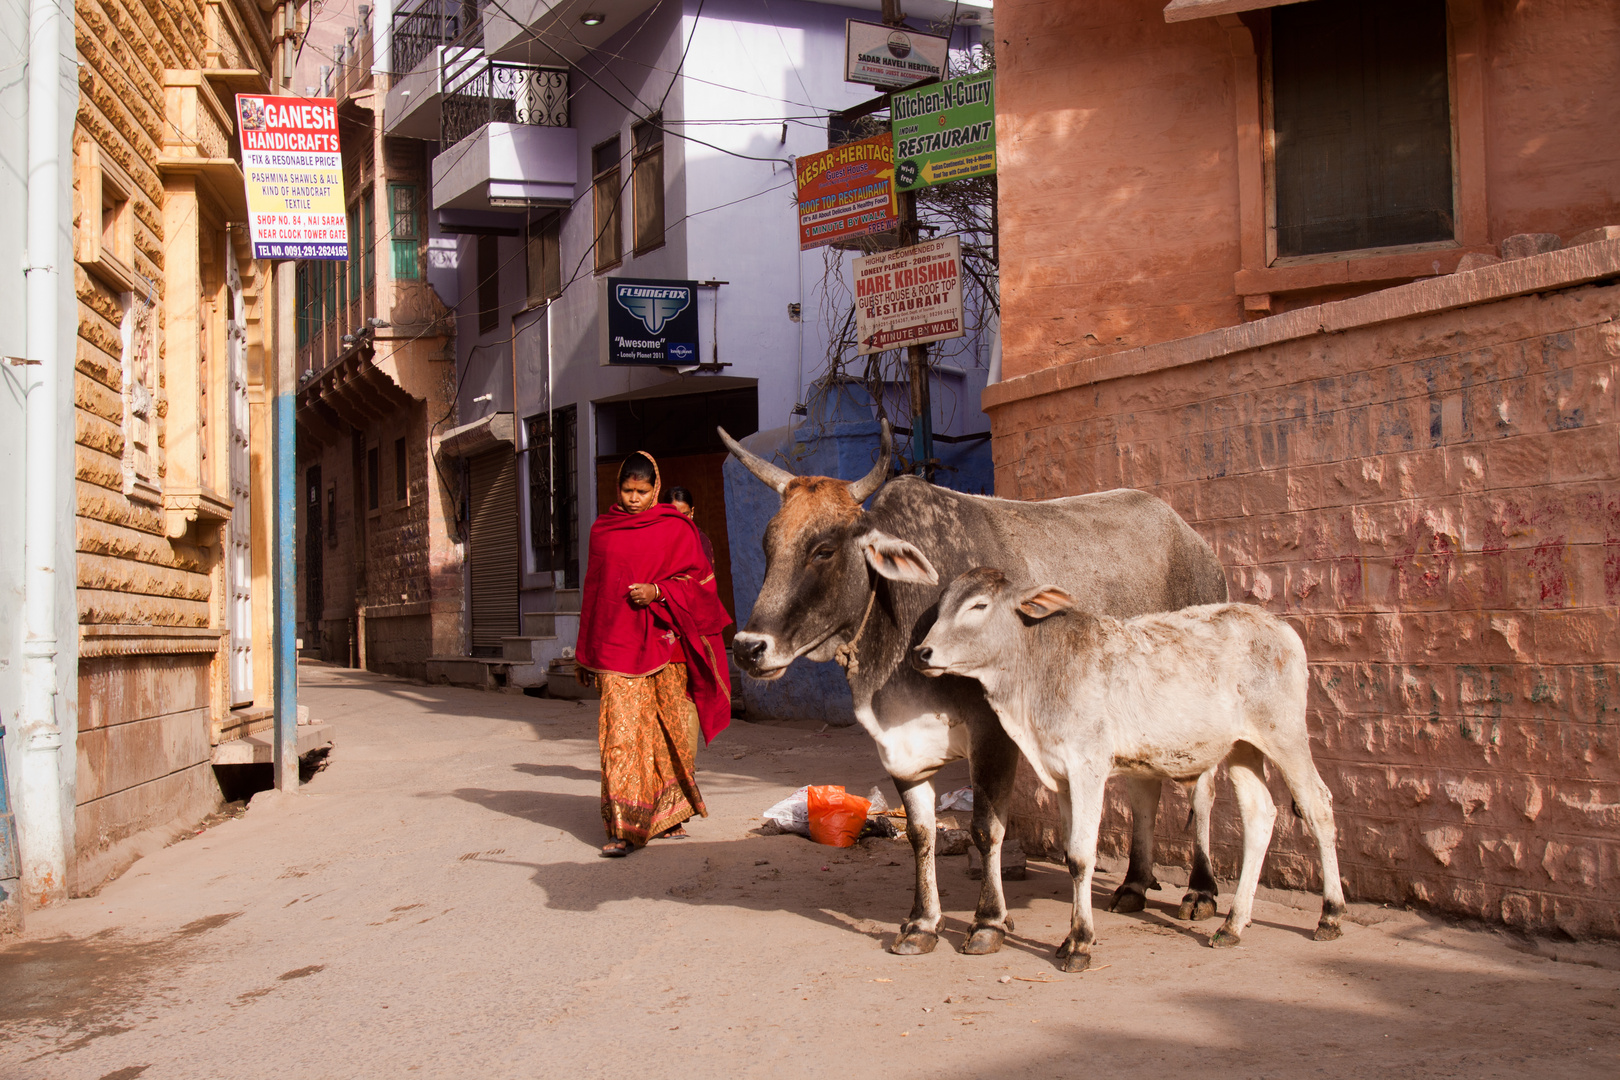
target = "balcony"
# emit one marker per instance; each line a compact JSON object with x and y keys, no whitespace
{"x":507,"y":166}
{"x":549,"y":31}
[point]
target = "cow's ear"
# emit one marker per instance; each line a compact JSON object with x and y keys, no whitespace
{"x":897,"y":560}
{"x":1044,"y":600}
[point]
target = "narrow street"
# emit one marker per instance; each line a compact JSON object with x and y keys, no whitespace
{"x":432,"y":905}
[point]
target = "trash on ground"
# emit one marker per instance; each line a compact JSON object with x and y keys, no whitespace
{"x":960,"y":799}
{"x":836,"y":816}
{"x":792,"y":815}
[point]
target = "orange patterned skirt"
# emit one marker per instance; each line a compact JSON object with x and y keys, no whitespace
{"x":649,"y":781}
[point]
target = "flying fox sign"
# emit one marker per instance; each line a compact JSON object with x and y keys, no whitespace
{"x":650,"y":322}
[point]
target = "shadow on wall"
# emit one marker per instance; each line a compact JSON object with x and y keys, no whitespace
{"x":839,"y":438}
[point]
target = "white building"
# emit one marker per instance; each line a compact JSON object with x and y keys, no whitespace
{"x":621,"y":138}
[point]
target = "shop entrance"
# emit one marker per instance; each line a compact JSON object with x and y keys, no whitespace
{"x":675,"y":423}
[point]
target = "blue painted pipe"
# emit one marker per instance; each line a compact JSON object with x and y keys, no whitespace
{"x":284,"y":637}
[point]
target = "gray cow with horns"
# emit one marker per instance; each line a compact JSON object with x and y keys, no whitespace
{"x":863,"y":587}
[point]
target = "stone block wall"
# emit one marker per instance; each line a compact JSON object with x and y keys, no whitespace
{"x":1426,"y":483}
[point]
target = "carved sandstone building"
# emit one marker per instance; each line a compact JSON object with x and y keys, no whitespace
{"x":172,"y":425}
{"x":1338,"y":280}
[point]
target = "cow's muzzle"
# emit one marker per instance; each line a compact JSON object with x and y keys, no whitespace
{"x":751,"y":651}
{"x":922,"y":658}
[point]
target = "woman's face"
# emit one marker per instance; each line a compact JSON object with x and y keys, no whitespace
{"x":684,"y":507}
{"x":635,"y":495}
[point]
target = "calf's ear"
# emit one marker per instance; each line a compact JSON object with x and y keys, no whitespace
{"x":897,"y":560}
{"x":1044,"y":600}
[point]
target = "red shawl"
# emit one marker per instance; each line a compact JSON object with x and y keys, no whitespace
{"x":659,"y":547}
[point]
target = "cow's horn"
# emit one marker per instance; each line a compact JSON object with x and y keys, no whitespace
{"x":862,"y":488}
{"x":774,"y":476}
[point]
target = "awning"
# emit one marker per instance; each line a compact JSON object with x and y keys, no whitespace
{"x":1187,"y":10}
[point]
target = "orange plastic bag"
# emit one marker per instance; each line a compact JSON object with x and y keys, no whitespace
{"x":836,"y":817}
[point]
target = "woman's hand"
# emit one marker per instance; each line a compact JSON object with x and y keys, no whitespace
{"x":584,"y":676}
{"x":642,"y":594}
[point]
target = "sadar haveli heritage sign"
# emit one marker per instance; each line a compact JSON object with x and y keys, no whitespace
{"x":909,"y":296}
{"x":891,"y":56}
{"x":846,"y":192}
{"x":944,"y":132}
{"x":294,"y":175}
{"x":650,"y":321}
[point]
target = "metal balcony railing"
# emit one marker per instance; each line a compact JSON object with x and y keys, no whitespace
{"x":418,"y":31}
{"x":479,"y":91}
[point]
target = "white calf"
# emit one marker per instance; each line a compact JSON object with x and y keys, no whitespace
{"x":1167,"y":696}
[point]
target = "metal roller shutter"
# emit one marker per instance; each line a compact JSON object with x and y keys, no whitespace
{"x":492,"y":556}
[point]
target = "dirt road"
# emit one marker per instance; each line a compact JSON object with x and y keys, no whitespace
{"x":432,"y":905}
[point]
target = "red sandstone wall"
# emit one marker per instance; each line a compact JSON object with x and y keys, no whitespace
{"x":1119,"y":163}
{"x":1435,"y":505}
{"x":1118,"y":184}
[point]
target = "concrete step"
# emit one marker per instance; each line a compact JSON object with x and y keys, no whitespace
{"x":259,"y":749}
{"x":551,"y":624}
{"x":478,"y":672}
{"x":567,"y":600}
{"x":521,"y":650}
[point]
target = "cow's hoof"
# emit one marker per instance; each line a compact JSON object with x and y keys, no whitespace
{"x":1224,"y":939}
{"x":1326,"y":931}
{"x":1074,"y":962}
{"x":1196,"y":906}
{"x":1127,"y":898}
{"x":914,"y":943}
{"x":984,"y":940}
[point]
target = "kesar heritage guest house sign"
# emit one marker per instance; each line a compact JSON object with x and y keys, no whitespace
{"x":294,"y":174}
{"x":944,"y":132}
{"x":846,"y":192}
{"x":909,"y":296}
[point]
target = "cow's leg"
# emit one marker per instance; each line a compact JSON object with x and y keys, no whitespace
{"x":920,"y":933}
{"x":1199,"y":903}
{"x":1132,"y":893}
{"x":1083,"y":818}
{"x":1259,"y":815}
{"x":995,"y":764}
{"x":1315,"y":803}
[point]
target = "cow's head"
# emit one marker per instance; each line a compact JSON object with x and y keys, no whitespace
{"x":982,"y":616}
{"x":817,"y":553}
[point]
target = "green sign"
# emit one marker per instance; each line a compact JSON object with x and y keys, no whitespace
{"x":944,"y":132}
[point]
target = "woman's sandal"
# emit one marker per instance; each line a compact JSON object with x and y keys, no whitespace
{"x":678,"y":832}
{"x":616,"y":849}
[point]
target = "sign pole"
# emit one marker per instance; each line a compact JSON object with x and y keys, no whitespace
{"x":284,"y":569}
{"x":922,"y":406}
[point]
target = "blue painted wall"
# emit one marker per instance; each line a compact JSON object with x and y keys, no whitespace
{"x":839,"y":438}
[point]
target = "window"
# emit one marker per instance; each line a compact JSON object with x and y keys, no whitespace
{"x":401,"y":476}
{"x":489,"y":283}
{"x":544,"y":259}
{"x":354,"y":253}
{"x":104,"y":242}
{"x":373,"y":479}
{"x":647,"y":180}
{"x":605,"y":197}
{"x":554,"y":493}
{"x":403,"y":228}
{"x":1362,"y":125}
{"x":368,"y":232}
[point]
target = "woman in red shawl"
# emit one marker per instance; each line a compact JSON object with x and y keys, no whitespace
{"x":649,"y":636}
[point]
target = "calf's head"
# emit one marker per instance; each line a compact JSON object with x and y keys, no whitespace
{"x":982,"y":623}
{"x":818,"y":549}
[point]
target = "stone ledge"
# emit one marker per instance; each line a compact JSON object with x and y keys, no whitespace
{"x":1555,"y":270}
{"x":125,"y":639}
{"x":259,"y":749}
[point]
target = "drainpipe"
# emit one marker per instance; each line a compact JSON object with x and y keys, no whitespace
{"x":284,"y":570}
{"x":39,"y":794}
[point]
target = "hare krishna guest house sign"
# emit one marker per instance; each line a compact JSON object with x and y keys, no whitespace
{"x":294,"y":176}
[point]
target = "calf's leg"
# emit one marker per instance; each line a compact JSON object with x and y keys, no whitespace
{"x":1259,"y":815}
{"x":1315,"y":803}
{"x":1132,"y":892}
{"x":1199,"y":903}
{"x":920,"y":933}
{"x":995,"y":764}
{"x":1083,"y":814}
